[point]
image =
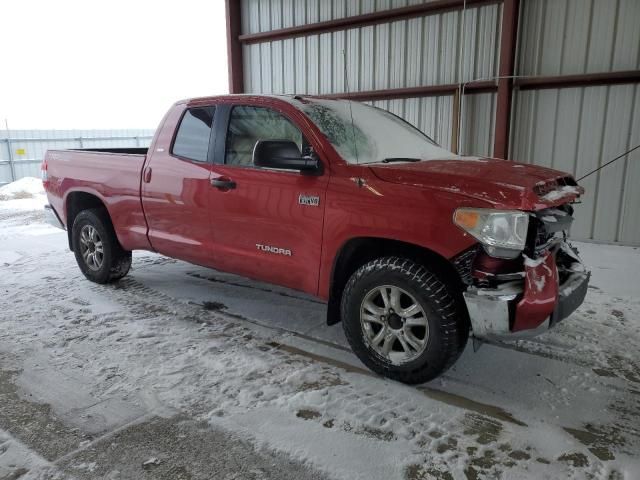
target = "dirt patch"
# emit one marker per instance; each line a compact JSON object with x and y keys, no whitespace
{"x":603,"y":372}
{"x":376,"y":433}
{"x":600,"y":440}
{"x":326,"y":380}
{"x":625,"y":367}
{"x":214,"y":306}
{"x":519,"y":455}
{"x":483,"y":467}
{"x":34,"y":424}
{"x":22,"y":195}
{"x":419,"y":472}
{"x":180,"y":448}
{"x":484,"y":429}
{"x":617,"y":314}
{"x":468,"y":404}
{"x":450,"y":444}
{"x":16,"y":474}
{"x":575,"y":459}
{"x":308,"y":414}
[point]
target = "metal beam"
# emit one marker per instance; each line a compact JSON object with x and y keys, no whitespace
{"x":413,"y":92}
{"x":374,"y":18}
{"x":509,"y":34}
{"x":234,"y":47}
{"x":489,"y":86}
{"x":582,"y":80}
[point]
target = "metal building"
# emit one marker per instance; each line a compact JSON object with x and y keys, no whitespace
{"x":550,"y":82}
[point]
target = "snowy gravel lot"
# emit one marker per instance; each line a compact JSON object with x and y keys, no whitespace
{"x":182,"y":372}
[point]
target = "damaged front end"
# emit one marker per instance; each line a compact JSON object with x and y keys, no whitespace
{"x":526,"y":295}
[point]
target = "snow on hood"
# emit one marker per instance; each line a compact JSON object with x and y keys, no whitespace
{"x":501,"y":183}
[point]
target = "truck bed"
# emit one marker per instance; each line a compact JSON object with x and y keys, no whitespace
{"x":124,"y":150}
{"x":112,"y":175}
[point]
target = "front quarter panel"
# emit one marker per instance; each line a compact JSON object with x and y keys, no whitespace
{"x":361,"y":205}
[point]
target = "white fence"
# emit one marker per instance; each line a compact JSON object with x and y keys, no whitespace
{"x":22,"y":151}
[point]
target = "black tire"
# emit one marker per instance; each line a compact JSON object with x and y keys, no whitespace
{"x":115,"y":261}
{"x":448,"y":325}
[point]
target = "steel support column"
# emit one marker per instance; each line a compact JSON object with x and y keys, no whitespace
{"x":12,"y":167}
{"x":509,"y":29}
{"x":234,"y":47}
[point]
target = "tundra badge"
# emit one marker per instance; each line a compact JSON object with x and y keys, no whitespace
{"x":311,"y":200}
{"x":268,"y":248}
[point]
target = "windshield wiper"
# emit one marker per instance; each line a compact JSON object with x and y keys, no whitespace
{"x":400,"y":159}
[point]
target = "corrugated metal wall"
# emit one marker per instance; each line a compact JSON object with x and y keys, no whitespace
{"x":446,"y":48}
{"x":579,"y":129}
{"x":27,"y":147}
{"x":572,"y":129}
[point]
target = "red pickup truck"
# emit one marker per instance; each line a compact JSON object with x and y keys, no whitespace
{"x":412,"y":247}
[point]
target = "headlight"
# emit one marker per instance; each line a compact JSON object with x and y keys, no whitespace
{"x":503,"y":233}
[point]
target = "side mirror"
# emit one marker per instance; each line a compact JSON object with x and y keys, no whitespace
{"x":283,"y":154}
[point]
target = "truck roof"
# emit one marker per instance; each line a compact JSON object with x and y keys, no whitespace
{"x":285,"y":97}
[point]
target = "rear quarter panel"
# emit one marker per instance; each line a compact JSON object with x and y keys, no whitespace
{"x":113,"y":178}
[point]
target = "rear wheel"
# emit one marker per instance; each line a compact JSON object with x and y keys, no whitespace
{"x":401,"y":320}
{"x":100,"y":256}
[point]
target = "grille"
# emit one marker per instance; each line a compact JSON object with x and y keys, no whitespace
{"x":463,"y":264}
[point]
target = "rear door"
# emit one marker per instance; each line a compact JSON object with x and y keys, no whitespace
{"x":267,"y":224}
{"x":176,"y":189}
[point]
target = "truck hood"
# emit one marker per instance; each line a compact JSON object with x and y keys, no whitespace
{"x":504,"y":184}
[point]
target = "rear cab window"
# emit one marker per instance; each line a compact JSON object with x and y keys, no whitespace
{"x":193,"y":135}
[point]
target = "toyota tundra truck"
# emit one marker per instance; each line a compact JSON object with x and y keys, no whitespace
{"x":412,"y":247}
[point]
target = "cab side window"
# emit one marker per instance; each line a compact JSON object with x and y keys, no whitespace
{"x":192,"y":139}
{"x":247,"y":125}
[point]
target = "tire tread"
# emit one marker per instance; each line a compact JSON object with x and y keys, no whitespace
{"x":452,"y":324}
{"x":120,"y":259}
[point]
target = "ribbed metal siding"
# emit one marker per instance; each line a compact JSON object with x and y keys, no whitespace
{"x":406,"y":53}
{"x":36,"y":142}
{"x":562,"y":37}
{"x":477,"y":124}
{"x":432,"y":50}
{"x":265,"y":15}
{"x":576,"y":130}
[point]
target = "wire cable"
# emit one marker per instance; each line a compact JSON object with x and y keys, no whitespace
{"x":609,"y":162}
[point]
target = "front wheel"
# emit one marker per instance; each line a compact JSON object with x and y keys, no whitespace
{"x":401,"y":320}
{"x":98,"y":252}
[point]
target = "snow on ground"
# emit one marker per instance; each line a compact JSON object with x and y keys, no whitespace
{"x":84,"y":369}
{"x":24,"y":187}
{"x":17,"y":460}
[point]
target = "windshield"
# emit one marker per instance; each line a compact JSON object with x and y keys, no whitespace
{"x":375,"y":135}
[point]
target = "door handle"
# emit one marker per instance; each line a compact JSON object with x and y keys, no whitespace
{"x":146,"y":176}
{"x":223,"y":183}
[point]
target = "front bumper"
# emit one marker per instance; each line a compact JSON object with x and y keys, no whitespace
{"x":52,"y":218}
{"x":528,"y":307}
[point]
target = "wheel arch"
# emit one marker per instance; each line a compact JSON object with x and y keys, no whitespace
{"x":78,"y":201}
{"x":361,"y":250}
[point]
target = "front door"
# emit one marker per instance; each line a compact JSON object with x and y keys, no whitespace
{"x":267,"y":224}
